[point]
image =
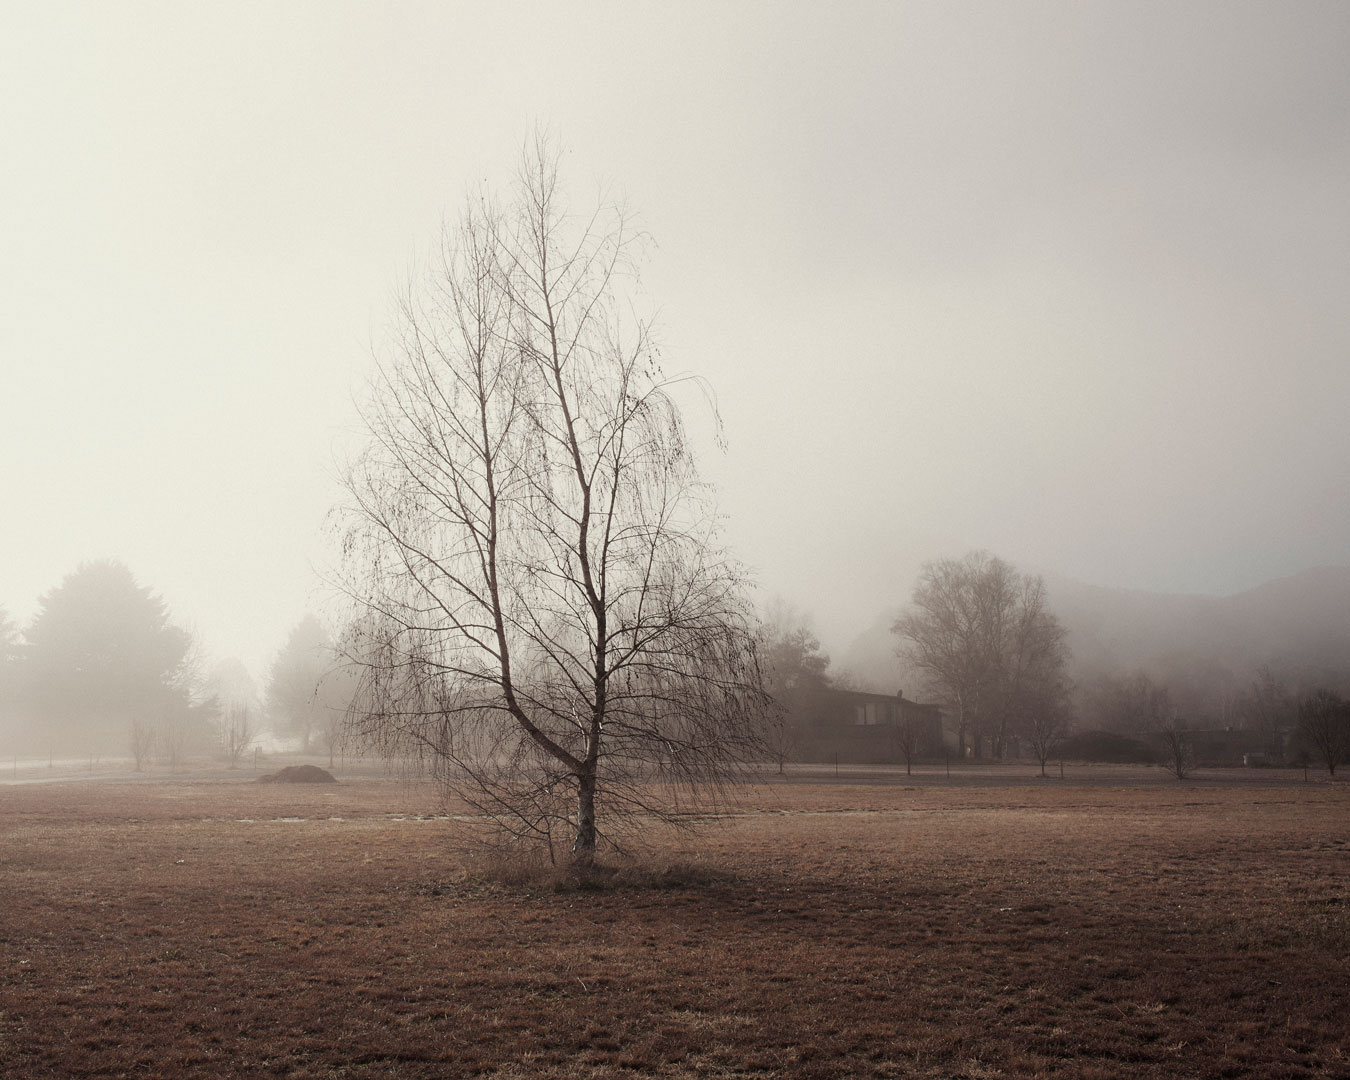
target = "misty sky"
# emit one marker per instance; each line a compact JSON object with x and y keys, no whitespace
{"x":1069,"y":282}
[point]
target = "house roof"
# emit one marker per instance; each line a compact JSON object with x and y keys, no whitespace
{"x":863,"y":697}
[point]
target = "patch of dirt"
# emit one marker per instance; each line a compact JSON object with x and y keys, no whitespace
{"x":299,"y":774}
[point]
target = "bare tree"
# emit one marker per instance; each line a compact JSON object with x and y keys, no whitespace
{"x":907,"y":737}
{"x":1045,"y":719}
{"x":1178,"y":753}
{"x":1324,"y":721}
{"x":551,"y":623}
{"x":181,"y":731}
{"x":142,"y":740}
{"x":1267,"y":708}
{"x":1033,"y":687}
{"x":236,"y":698}
{"x":236,"y":733}
{"x":1265,"y":704}
{"x":1138,"y":705}
{"x":985,"y":642}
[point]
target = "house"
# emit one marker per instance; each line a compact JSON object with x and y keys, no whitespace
{"x":863,"y":728}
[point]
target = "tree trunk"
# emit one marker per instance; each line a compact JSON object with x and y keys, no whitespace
{"x":583,"y":848}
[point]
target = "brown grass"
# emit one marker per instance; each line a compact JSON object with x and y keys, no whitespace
{"x":232,"y":929}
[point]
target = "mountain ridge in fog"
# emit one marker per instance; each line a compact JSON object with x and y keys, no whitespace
{"x":1298,"y":624}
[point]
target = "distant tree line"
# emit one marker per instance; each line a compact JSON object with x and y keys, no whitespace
{"x":981,"y":639}
{"x":1270,"y":720}
{"x":102,"y":671}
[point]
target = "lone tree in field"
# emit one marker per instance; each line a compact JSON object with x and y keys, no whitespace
{"x":1178,"y":755}
{"x":984,"y":640}
{"x":1045,"y":718}
{"x":1324,"y":722}
{"x":550,"y":623}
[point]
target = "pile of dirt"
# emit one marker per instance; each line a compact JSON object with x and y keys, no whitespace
{"x":299,"y":774}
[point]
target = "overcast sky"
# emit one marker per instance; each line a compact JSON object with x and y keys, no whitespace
{"x":1069,"y":282}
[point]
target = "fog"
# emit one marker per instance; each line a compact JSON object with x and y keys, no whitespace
{"x":1064,"y":283}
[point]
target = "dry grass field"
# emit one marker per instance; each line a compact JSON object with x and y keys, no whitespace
{"x":218,"y":927}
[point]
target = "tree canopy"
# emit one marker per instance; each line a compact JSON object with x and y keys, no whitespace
{"x":793,"y":662}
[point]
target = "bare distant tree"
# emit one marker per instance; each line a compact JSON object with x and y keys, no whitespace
{"x":1033,"y":688}
{"x":552,"y":626}
{"x":236,"y":698}
{"x":1267,"y":707}
{"x":1138,"y":705}
{"x":1324,"y":721}
{"x":1045,"y":722}
{"x":949,"y":637}
{"x":1178,"y":755}
{"x":236,"y":733}
{"x":985,"y":642}
{"x":1265,"y":704}
{"x":908,"y":738}
{"x":142,"y":740}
